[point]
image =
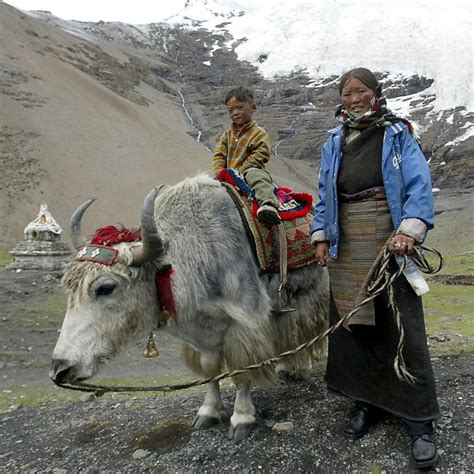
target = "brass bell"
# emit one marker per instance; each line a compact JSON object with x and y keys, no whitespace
{"x":151,"y":350}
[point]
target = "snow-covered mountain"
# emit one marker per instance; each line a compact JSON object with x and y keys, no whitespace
{"x":429,"y":41}
{"x":429,"y":38}
{"x":290,"y":53}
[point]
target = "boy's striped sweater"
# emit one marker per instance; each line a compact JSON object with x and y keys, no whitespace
{"x":242,"y":149}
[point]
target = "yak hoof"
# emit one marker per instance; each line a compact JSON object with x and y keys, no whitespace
{"x":205,"y":422}
{"x":283,"y":375}
{"x":294,"y":376}
{"x":239,"y":432}
{"x":303,"y":375}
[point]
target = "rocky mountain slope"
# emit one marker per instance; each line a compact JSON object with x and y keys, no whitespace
{"x":295,"y":110}
{"x":122,"y":106}
{"x":81,"y":118}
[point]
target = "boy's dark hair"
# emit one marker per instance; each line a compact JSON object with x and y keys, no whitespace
{"x":242,"y":94}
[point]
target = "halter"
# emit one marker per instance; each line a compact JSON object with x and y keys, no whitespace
{"x":108,"y":256}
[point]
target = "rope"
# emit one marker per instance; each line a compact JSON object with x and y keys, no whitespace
{"x":283,"y":249}
{"x":378,"y":279}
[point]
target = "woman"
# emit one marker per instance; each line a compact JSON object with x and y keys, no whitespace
{"x":374,"y":180}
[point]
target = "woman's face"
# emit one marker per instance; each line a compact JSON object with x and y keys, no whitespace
{"x":356,"y":96}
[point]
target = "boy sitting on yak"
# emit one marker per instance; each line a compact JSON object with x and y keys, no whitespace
{"x":245,"y":147}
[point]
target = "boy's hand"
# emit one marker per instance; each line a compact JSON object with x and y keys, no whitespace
{"x":217,"y":171}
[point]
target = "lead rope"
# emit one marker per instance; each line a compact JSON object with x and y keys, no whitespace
{"x":378,"y":279}
{"x":283,"y":253}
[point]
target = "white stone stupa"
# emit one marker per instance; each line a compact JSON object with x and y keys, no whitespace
{"x":42,"y":248}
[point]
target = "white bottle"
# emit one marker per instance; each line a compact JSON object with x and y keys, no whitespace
{"x":414,"y":276}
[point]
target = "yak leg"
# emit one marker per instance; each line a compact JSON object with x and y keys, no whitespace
{"x":298,"y":368}
{"x":243,"y":418}
{"x":209,"y":412}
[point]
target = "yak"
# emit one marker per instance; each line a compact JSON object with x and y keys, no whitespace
{"x":224,"y":305}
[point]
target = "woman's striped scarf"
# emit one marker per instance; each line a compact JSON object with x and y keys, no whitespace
{"x":379,"y":115}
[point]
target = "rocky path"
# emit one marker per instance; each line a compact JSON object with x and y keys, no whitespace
{"x":298,"y":425}
{"x":298,"y":429}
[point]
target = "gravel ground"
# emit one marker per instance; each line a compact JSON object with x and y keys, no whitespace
{"x":155,"y":434}
{"x":134,"y":434}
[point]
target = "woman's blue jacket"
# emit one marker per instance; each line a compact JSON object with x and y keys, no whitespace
{"x":406,"y":179}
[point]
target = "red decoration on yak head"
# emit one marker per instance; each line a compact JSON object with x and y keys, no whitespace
{"x":111,"y":235}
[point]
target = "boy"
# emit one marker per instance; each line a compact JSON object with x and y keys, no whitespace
{"x":245,"y":147}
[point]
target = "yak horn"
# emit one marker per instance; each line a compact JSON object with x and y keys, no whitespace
{"x":152,"y":246}
{"x":78,"y":240}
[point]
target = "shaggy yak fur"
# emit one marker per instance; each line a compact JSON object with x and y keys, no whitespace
{"x":224,"y":305}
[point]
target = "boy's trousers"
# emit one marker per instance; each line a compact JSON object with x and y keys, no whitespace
{"x":261,"y":183}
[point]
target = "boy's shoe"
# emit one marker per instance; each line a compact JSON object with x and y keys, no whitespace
{"x":268,"y":215}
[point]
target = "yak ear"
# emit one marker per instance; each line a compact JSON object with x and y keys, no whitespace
{"x":152,"y":247}
{"x":78,"y":240}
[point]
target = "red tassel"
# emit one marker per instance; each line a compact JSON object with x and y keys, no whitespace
{"x":111,"y":235}
{"x":165,"y":292}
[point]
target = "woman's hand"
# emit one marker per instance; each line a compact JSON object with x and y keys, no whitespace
{"x":401,"y":244}
{"x":322,"y":253}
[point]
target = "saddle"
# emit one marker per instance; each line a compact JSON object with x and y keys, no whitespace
{"x":268,"y":241}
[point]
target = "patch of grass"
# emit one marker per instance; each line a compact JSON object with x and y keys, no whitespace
{"x":41,"y":310}
{"x":375,"y":469}
{"x":449,"y":312}
{"x":458,"y":264}
{"x":5,"y":259}
{"x":35,"y":395}
{"x":13,"y":354}
{"x":449,"y":309}
{"x":51,"y":307}
{"x":450,"y":300}
{"x":451,"y":347}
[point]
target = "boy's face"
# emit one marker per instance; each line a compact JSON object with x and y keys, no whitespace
{"x":240,"y":112}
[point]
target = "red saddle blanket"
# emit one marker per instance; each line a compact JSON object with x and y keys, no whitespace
{"x":264,"y":239}
{"x":292,"y":204}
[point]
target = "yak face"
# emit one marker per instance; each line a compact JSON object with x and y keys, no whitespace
{"x":106,"y":307}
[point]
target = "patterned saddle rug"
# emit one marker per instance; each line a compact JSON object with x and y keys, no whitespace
{"x":292,"y":204}
{"x":296,"y":219}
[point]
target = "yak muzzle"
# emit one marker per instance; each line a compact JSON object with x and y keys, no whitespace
{"x":63,"y":371}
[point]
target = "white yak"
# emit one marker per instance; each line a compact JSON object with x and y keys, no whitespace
{"x":223,"y":303}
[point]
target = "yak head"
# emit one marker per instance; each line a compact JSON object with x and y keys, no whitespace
{"x":111,"y":297}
